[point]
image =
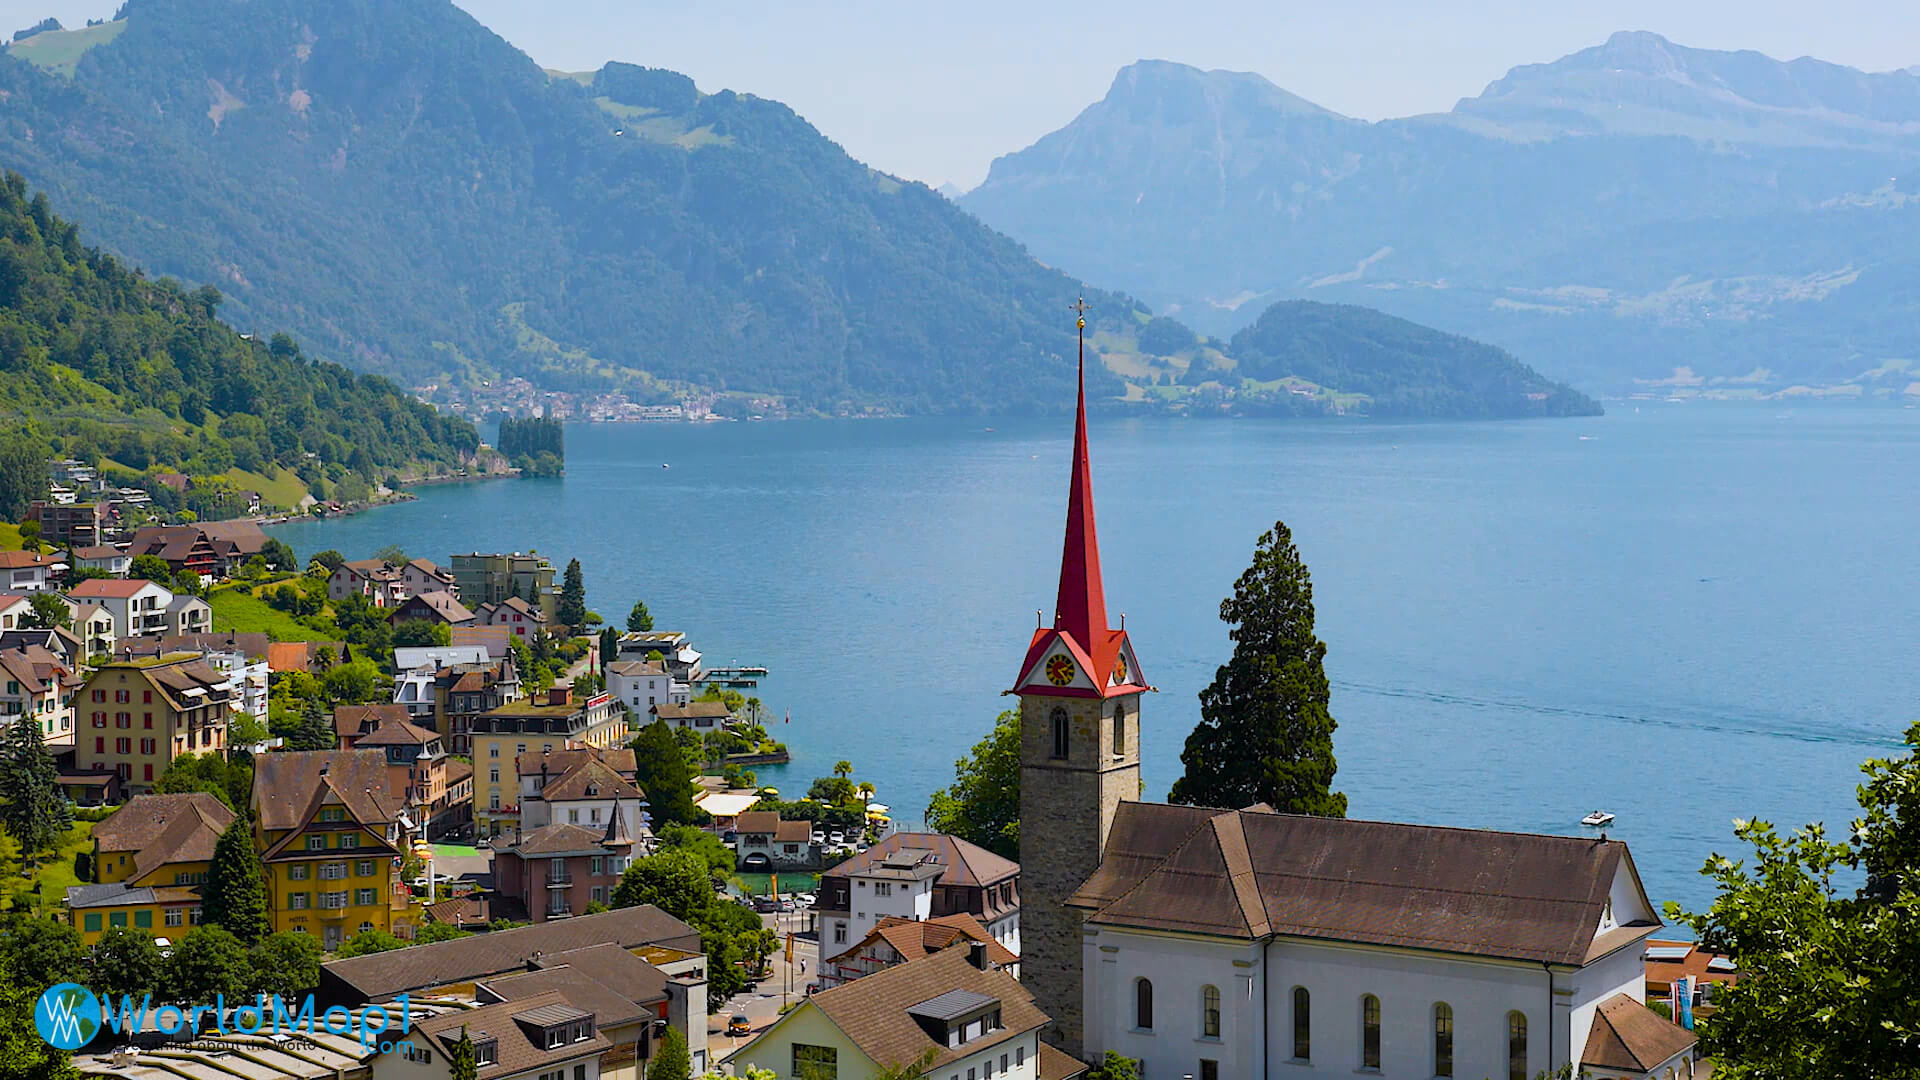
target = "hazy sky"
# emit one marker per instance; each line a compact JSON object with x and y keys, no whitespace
{"x":935,"y":91}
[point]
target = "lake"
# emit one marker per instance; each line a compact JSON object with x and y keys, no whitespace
{"x":1682,"y":614}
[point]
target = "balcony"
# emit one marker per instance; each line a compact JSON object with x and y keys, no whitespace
{"x":564,"y":911}
{"x":560,"y":883}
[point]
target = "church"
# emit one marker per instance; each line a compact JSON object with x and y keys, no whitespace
{"x":1211,"y":943}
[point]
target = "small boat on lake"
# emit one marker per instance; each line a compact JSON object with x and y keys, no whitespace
{"x":1597,"y":819}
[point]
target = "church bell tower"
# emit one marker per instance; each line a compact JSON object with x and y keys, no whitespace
{"x":1079,"y":690}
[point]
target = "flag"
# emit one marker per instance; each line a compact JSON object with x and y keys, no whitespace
{"x":789,"y":946}
{"x":789,"y":718}
{"x":773,"y":885}
{"x":1685,"y":984}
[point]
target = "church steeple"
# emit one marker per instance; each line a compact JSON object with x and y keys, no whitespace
{"x":1081,"y":606}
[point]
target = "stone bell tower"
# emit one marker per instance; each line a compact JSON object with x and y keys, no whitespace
{"x":1079,"y":690}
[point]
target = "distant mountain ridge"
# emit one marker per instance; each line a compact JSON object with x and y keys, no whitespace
{"x":1626,"y":211}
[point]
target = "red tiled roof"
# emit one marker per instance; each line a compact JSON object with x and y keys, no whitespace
{"x":352,"y":721}
{"x":161,"y":829}
{"x":914,"y":939}
{"x":24,"y":560}
{"x":1628,"y":1036}
{"x":110,"y":588}
{"x":966,"y":864}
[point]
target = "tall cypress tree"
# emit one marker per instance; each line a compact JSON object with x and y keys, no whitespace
{"x":662,"y":773}
{"x":32,"y":807}
{"x":460,"y":1060}
{"x":1265,"y":732}
{"x":236,"y":892}
{"x":573,"y":596}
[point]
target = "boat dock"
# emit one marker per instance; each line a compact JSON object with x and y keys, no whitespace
{"x":739,"y":675}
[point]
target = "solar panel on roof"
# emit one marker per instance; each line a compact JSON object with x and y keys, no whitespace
{"x":1721,"y":963}
{"x":1669,"y":952}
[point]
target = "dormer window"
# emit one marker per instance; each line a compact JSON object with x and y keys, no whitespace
{"x":957,"y":1017}
{"x":486,"y":1051}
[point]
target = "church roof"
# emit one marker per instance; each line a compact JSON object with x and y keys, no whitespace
{"x":1628,"y":1036}
{"x":1247,"y":873}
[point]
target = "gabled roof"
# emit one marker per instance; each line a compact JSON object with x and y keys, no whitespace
{"x":515,"y":1053}
{"x":288,"y":786}
{"x":495,"y":639}
{"x":914,"y":939}
{"x":397,"y":731}
{"x":560,"y":838}
{"x":515,"y":604}
{"x":254,"y":646}
{"x":967,"y":863}
{"x":591,"y":773}
{"x":564,"y":760}
{"x":381,"y":975}
{"x":162,"y":829}
{"x":27,"y":560}
{"x":354,"y":721}
{"x":439,"y":602}
{"x":634,"y":669}
{"x":1243,"y":874}
{"x":1627,"y":1035}
{"x":113,"y":588}
{"x":769,"y":822}
{"x":693,"y":710}
{"x":872,"y":1011}
{"x":460,"y":910}
{"x":38,"y":670}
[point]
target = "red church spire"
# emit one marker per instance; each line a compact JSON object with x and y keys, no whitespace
{"x":1081,"y":608}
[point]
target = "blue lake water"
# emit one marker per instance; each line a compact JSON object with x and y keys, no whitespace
{"x":1684,"y":615}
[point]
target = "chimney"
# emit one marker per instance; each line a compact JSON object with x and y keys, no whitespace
{"x":977,"y":954}
{"x":560,"y":695}
{"x":324,"y":766}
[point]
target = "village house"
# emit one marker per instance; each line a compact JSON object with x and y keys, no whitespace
{"x":93,"y":630}
{"x":676,"y":652}
{"x":350,"y":722}
{"x":556,"y":870}
{"x":150,"y":858}
{"x":642,"y":684}
{"x":76,"y":525}
{"x":35,"y":681}
{"x":435,"y":791}
{"x":554,"y":721}
{"x":433,"y":607}
{"x":768,"y":843}
{"x":932,"y":874}
{"x":462,"y":693}
{"x":491,"y":579}
{"x":895,"y":941}
{"x":134,"y":717}
{"x":105,"y":558}
{"x":212,"y":549}
{"x":380,"y":583}
{"x":633,"y":1002}
{"x":243,"y":657}
{"x":422,"y":576}
{"x":62,"y":643}
{"x":516,"y":615}
{"x":951,"y":1009}
{"x":586,"y":790}
{"x":16,"y":611}
{"x":540,"y":1038}
{"x":701,"y":716}
{"x":329,"y":833}
{"x":496,"y":640}
{"x":30,"y":571}
{"x":144,"y":608}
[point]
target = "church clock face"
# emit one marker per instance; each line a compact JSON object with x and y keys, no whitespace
{"x":1060,"y":670}
{"x":1120,"y":670}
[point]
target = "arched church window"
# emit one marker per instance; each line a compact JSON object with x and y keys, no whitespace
{"x":1516,"y":1046}
{"x":1143,"y":1004}
{"x":1442,"y":1039}
{"x":1210,"y":1012}
{"x":1059,"y":733}
{"x":1369,"y":1032}
{"x":1119,"y":729}
{"x":1302,"y":1024}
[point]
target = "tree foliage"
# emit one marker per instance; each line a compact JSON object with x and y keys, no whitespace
{"x":236,"y":892}
{"x":718,"y":856}
{"x":983,"y":805}
{"x":1113,"y":1066}
{"x":675,"y":880}
{"x":24,"y":1055}
{"x":41,"y":952}
{"x":367,"y":942}
{"x":287,"y":964}
{"x":460,"y":1059}
{"x":1829,"y":965}
{"x":662,"y":772}
{"x":573,"y":596}
{"x":1265,"y":731}
{"x":228,"y":779}
{"x":48,"y":611}
{"x":33,"y":808}
{"x":207,"y":962}
{"x":670,"y":1058}
{"x":640,"y":620}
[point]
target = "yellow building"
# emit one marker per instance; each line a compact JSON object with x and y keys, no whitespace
{"x":149,"y":860}
{"x":329,"y":832}
{"x":134,"y":717}
{"x":552,"y":722}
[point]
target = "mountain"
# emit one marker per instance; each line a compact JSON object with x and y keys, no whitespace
{"x":411,"y":194}
{"x":102,"y":363}
{"x":1633,"y":214}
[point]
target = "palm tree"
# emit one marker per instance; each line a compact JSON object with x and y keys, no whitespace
{"x":866,"y":793}
{"x":753,"y":708}
{"x":843,"y":769}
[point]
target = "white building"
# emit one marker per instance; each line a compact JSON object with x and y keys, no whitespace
{"x":139,"y":608}
{"x":642,"y":684}
{"x":29,"y":571}
{"x":246,"y":677}
{"x":103,"y":557}
{"x":588,"y":794}
{"x":1254,"y":944}
{"x":538,"y":1038}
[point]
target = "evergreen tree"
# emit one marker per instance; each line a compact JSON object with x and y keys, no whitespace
{"x":670,"y":1060}
{"x":125,"y":961}
{"x":663,"y":774}
{"x":460,"y":1062}
{"x":639,"y":620}
{"x":573,"y":596}
{"x":314,"y":731}
{"x":609,"y":648}
{"x":32,"y":807}
{"x":1265,"y":732}
{"x":983,"y":805}
{"x":236,"y":893}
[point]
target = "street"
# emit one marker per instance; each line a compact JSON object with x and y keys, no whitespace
{"x":761,"y":1004}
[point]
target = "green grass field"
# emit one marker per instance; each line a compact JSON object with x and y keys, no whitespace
{"x":282,"y":488}
{"x":9,"y":537}
{"x":239,"y":611}
{"x":59,"y":51}
{"x":55,"y":872}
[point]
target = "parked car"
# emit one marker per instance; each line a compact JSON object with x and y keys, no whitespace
{"x":739,"y":1025}
{"x":807,"y":899}
{"x":483,"y":844}
{"x":838,"y":837}
{"x":764,"y":904}
{"x":730,"y":837}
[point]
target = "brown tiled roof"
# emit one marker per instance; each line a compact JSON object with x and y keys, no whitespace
{"x":458,"y":771}
{"x":558,"y":838}
{"x":461,"y":910}
{"x":299,"y":655}
{"x":966,"y":863}
{"x":515,"y":603}
{"x":37,"y":669}
{"x":1629,"y":1036}
{"x":231,"y":538}
{"x":516,"y":1052}
{"x":161,"y":829}
{"x":872,"y":1011}
{"x":1059,"y":1065}
{"x":1140,"y":839}
{"x":23,"y":560}
{"x":620,"y":987}
{"x":397,"y":731}
{"x":693,"y":710}
{"x":97,"y":551}
{"x":351,"y":721}
{"x":562,"y":761}
{"x":913,"y":940}
{"x":635,"y":668}
{"x":607,"y":783}
{"x":440,"y":603}
{"x":287,"y":784}
{"x":379,"y":976}
{"x":1244,"y":874}
{"x":110,"y":588}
